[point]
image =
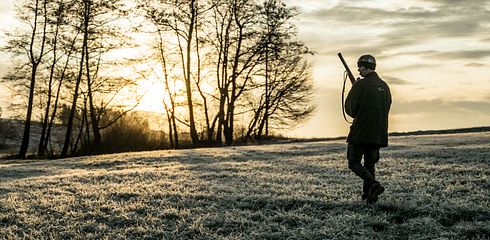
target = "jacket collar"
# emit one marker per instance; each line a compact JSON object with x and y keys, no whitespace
{"x":371,"y":75}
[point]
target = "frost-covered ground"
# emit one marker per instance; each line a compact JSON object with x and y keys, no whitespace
{"x":437,"y":186}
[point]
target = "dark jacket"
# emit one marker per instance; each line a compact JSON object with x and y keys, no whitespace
{"x":369,"y":103}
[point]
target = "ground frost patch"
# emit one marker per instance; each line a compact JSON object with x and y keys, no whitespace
{"x":437,"y":187}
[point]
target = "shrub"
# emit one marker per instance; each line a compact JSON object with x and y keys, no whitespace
{"x":131,"y":133}
{"x":7,"y":131}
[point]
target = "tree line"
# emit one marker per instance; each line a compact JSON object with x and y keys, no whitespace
{"x":232,"y":70}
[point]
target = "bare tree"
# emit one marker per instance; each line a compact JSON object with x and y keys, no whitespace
{"x":101,"y":35}
{"x":237,"y":47}
{"x":244,"y":59}
{"x":65,"y":73}
{"x":170,"y":110}
{"x":164,"y":73}
{"x":32,"y":46}
{"x":286,"y":83}
{"x":57,"y":22}
{"x":104,"y":37}
{"x":179,"y":18}
{"x":222,"y":24}
{"x":85,"y":17}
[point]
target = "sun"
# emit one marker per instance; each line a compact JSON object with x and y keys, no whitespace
{"x":152,"y":92}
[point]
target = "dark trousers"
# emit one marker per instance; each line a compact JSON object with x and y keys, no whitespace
{"x":371,"y":157}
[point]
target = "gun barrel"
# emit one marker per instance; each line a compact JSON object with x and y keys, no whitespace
{"x":349,"y":73}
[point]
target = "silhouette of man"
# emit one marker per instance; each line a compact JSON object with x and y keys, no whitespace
{"x":368,"y":102}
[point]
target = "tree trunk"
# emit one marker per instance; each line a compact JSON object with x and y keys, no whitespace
{"x":234,"y":77}
{"x":62,"y":77}
{"x":35,"y":63}
{"x":194,"y":136}
{"x":69,"y":126}
{"x":41,"y":151}
{"x":267,"y":100}
{"x":95,"y":145}
{"x":27,"y":124}
{"x":221,"y":116}
{"x":170,"y":131}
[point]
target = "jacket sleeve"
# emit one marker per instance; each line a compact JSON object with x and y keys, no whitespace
{"x":389,"y":99}
{"x":352,"y":101}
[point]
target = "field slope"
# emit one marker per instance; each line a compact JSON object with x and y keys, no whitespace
{"x":437,"y":186}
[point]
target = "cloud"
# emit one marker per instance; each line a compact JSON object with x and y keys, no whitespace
{"x":395,"y":80}
{"x":458,"y":3}
{"x":481,"y":107}
{"x":355,"y":51}
{"x":446,"y":55}
{"x":395,"y":30}
{"x":6,"y":8}
{"x":358,"y":15}
{"x":464,"y":54}
{"x":7,"y":14}
{"x":436,"y":106}
{"x":418,"y":31}
{"x":378,"y":29}
{"x":460,"y":27}
{"x":474,"y":64}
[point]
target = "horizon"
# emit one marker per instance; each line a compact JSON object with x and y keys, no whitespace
{"x":434,"y":56}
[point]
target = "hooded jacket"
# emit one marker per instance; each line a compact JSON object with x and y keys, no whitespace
{"x":369,"y":102}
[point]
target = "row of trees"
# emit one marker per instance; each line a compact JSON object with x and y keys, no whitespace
{"x":225,"y":65}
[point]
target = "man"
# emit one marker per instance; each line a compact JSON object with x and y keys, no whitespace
{"x":368,"y":102}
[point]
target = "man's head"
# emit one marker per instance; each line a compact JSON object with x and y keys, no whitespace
{"x":366,"y":64}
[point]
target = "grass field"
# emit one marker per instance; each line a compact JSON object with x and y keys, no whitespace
{"x":437,"y":187}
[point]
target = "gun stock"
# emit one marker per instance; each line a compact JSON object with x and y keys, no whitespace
{"x":349,"y":73}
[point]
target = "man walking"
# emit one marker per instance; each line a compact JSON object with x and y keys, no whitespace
{"x":368,"y":102}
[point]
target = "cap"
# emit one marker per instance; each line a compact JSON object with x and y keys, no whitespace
{"x":367,"y":61}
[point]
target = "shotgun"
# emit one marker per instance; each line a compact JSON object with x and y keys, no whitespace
{"x":349,"y":73}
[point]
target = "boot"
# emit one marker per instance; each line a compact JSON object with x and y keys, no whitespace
{"x":374,"y":191}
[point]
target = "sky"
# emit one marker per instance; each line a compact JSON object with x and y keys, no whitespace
{"x":434,"y":55}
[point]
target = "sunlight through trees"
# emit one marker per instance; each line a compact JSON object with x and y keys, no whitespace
{"x":231,"y":70}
